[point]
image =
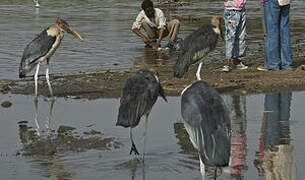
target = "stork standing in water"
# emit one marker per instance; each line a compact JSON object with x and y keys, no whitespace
{"x":139,"y":94}
{"x":206,"y":119}
{"x":196,"y":46}
{"x":42,"y":48}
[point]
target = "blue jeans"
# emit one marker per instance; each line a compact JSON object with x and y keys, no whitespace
{"x":235,"y":23}
{"x":277,"y":117}
{"x":277,"y":43}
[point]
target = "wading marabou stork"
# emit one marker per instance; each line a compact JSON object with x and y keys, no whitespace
{"x":139,"y":94}
{"x":42,"y":48}
{"x":196,"y":46}
{"x":206,"y":119}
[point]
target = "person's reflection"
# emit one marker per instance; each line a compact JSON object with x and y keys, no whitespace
{"x":237,"y":107}
{"x":275,"y":159}
{"x":150,"y":58}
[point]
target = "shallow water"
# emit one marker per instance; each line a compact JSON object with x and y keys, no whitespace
{"x":169,"y":154}
{"x":109,"y":43}
{"x":106,"y":28}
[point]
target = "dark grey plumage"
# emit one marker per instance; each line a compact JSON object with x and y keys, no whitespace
{"x":197,"y":45}
{"x":207,"y":121}
{"x":139,"y":94}
{"x":36,"y":49}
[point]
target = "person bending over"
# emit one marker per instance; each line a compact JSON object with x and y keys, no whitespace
{"x":153,"y":21}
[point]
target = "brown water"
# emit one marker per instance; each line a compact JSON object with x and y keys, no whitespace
{"x":106,"y":28}
{"x":96,"y":148}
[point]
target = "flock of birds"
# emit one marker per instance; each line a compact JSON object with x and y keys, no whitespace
{"x":203,"y":110}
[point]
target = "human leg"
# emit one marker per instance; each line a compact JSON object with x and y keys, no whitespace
{"x":286,"y":57}
{"x":235,"y":23}
{"x":173,"y":27}
{"x":150,"y":31}
{"x":239,"y":49}
{"x":229,"y":37}
{"x":241,"y":31}
{"x":230,"y":25}
{"x":272,"y":22}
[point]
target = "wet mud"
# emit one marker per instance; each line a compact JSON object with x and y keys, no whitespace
{"x":65,"y":139}
{"x":109,"y":83}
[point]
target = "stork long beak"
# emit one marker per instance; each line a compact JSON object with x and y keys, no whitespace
{"x":161,"y":93}
{"x":74,"y":33}
{"x":63,"y":25}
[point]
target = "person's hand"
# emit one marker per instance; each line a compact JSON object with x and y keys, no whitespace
{"x":146,"y":40}
{"x":157,"y":45}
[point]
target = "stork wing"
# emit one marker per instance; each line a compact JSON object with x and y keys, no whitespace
{"x":207,"y":123}
{"x":38,"y":47}
{"x":195,"y":46}
{"x":137,"y":100}
{"x":200,"y":42}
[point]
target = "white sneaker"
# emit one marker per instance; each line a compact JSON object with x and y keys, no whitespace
{"x":240,"y":66}
{"x":226,"y":68}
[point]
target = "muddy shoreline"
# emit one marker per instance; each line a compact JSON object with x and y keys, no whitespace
{"x":108,"y":84}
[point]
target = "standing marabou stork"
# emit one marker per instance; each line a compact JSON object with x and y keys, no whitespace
{"x":196,"y":46}
{"x":139,"y":94}
{"x":42,"y":48}
{"x":206,"y":119}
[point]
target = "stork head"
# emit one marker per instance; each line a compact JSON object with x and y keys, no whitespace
{"x":64,"y":26}
{"x":161,"y":90}
{"x":216,"y":21}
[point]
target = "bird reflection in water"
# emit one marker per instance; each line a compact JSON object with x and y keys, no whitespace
{"x":134,"y":165}
{"x":34,"y":145}
{"x":29,"y":135}
{"x":275,"y":159}
{"x":207,"y":122}
{"x":49,"y":118}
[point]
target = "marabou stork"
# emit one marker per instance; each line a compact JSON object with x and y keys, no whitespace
{"x":206,"y":119}
{"x":139,"y":94}
{"x":196,"y":46}
{"x":42,"y":48}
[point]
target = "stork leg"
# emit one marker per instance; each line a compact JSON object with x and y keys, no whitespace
{"x":198,"y":71}
{"x":50,"y":116}
{"x":36,"y":79}
{"x":202,"y":169}
{"x":133,"y":146}
{"x":36,"y":115}
{"x":145,"y":132}
{"x":48,"y":79}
